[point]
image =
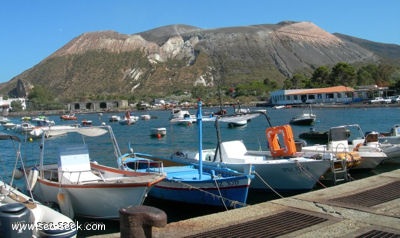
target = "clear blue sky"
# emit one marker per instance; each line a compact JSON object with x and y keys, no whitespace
{"x":31,"y":30}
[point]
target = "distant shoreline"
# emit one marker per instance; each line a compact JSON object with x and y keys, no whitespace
{"x":351,"y":105}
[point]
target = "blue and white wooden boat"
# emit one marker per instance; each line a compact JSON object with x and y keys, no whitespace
{"x":194,"y":183}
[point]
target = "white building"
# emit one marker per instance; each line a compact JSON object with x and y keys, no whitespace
{"x":337,"y":94}
{"x":6,"y":104}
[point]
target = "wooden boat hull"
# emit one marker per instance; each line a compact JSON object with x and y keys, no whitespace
{"x":98,"y":199}
{"x":229,"y":191}
{"x":183,"y":183}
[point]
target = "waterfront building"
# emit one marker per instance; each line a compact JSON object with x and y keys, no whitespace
{"x":337,"y":94}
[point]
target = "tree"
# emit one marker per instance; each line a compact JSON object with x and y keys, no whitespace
{"x":320,"y":77}
{"x":342,"y":74}
{"x":16,"y":105}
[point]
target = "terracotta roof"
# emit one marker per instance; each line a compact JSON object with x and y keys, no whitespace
{"x":320,"y":90}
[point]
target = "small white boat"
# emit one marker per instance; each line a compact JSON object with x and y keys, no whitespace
{"x":129,"y":119}
{"x":158,"y":132}
{"x":85,"y":188}
{"x":50,"y":131}
{"x":114,"y":118}
{"x":338,"y":142}
{"x":18,"y":208}
{"x":9,"y":125}
{"x":304,"y":119}
{"x":4,"y":120}
{"x":24,"y":127}
{"x":392,"y":137}
{"x":145,"y":117}
{"x":181,"y":117}
{"x":42,"y":121}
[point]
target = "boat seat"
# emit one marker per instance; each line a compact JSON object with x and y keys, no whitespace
{"x":232,"y":149}
{"x":236,"y":152}
{"x":74,"y":165}
{"x":340,"y":146}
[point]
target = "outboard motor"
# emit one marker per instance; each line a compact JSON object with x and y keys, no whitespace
{"x":11,"y":216}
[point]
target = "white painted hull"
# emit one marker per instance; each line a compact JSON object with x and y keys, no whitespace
{"x":369,"y":159}
{"x":93,"y":202}
{"x":280,"y":174}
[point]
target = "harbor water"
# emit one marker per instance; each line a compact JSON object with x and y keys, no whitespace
{"x":178,"y":138}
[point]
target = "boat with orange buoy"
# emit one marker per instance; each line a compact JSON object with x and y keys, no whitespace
{"x":158,"y":132}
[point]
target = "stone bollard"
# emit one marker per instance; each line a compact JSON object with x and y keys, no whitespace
{"x":137,"y":221}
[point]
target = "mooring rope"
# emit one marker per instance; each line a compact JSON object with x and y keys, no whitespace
{"x":220,"y":194}
{"x":269,"y":186}
{"x":309,"y":174}
{"x":233,"y":203}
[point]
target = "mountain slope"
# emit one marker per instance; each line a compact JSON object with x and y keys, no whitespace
{"x":174,"y":58}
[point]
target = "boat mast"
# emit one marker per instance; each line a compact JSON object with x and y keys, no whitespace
{"x":200,"y":129}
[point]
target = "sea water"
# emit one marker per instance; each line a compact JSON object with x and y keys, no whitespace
{"x":137,"y":136}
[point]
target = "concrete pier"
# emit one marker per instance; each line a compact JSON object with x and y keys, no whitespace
{"x":368,"y":207}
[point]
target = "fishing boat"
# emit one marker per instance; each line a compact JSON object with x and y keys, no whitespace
{"x":19,"y":208}
{"x":85,"y":188}
{"x":195,"y":183}
{"x":350,"y":138}
{"x":276,"y":169}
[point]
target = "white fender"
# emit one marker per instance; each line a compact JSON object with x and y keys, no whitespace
{"x":65,"y":204}
{"x":32,"y":178}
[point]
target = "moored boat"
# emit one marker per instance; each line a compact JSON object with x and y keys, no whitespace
{"x":81,"y":186}
{"x":304,"y":119}
{"x":338,"y":142}
{"x":274,"y":169}
{"x":158,"y":132}
{"x":195,"y":183}
{"x":19,"y":208}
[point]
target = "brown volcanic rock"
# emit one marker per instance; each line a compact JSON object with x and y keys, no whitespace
{"x":176,"y":57}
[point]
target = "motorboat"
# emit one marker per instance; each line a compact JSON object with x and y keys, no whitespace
{"x":346,"y":139}
{"x":304,"y":119}
{"x":181,"y":117}
{"x":114,"y":118}
{"x":194,"y":183}
{"x":158,"y":132}
{"x":9,"y":125}
{"x":392,"y":137}
{"x":275,"y":169}
{"x":145,"y":117}
{"x":24,"y":127}
{"x":19,"y":208}
{"x":317,"y":137}
{"x":4,"y":120}
{"x":69,"y":117}
{"x":392,"y":151}
{"x":50,"y":131}
{"x":129,"y":119}
{"x":82,"y":187}
{"x":42,"y":121}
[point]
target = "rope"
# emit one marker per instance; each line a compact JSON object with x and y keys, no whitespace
{"x":269,"y":186}
{"x":233,"y":203}
{"x":219,"y":191}
{"x":307,"y":173}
